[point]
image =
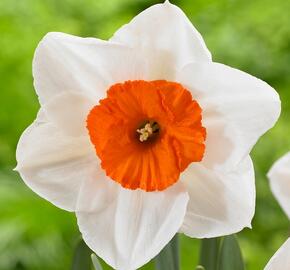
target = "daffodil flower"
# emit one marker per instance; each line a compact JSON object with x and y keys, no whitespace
{"x":281,"y":259}
{"x":279,"y":176}
{"x":144,"y":136}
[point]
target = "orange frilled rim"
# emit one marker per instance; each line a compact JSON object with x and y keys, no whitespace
{"x":156,"y":163}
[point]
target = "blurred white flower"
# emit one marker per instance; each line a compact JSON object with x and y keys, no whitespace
{"x":134,"y":186}
{"x":281,"y":259}
{"x":279,"y":176}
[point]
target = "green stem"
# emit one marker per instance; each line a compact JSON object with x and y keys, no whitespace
{"x":82,"y":257}
{"x":168,"y":258}
{"x":209,"y":253}
{"x":221,"y":254}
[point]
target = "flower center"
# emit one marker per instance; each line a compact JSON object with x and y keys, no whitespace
{"x":148,"y":131}
{"x":151,"y":155}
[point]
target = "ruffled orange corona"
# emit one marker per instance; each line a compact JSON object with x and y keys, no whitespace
{"x":146,"y":133}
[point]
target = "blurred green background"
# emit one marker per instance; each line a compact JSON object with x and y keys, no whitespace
{"x":252,"y":35}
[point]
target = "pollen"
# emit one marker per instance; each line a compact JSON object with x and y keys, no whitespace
{"x":146,"y":133}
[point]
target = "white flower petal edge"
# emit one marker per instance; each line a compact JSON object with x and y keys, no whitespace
{"x":66,"y":63}
{"x":54,"y":165}
{"x":164,"y":36}
{"x":279,"y":176}
{"x":281,"y":259}
{"x":128,"y":228}
{"x":237,"y":109}
{"x":219,"y":203}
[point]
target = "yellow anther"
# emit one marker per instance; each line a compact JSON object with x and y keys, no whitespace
{"x":147,"y":131}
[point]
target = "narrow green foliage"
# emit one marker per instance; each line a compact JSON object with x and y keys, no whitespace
{"x":209,"y":253}
{"x":168,"y":258}
{"x":96,"y":262}
{"x":230,"y":254}
{"x":82,"y":257}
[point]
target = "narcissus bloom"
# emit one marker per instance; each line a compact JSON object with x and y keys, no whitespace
{"x":279,"y":176}
{"x":281,"y":259}
{"x":144,"y":136}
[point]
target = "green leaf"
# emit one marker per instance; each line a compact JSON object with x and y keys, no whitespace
{"x":168,"y":258}
{"x":82,"y":257}
{"x":230,"y":254}
{"x":96,"y":262}
{"x":199,"y":267}
{"x":209,"y":253}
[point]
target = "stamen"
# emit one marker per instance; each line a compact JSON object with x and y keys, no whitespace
{"x":148,"y":130}
{"x":154,"y":144}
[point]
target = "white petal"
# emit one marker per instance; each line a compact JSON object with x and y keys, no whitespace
{"x":237,"y":109}
{"x":54,"y":165}
{"x":65,"y":63}
{"x":69,"y":111}
{"x":279,"y":176}
{"x":166,"y":38}
{"x":128,"y":228}
{"x":220,"y":203}
{"x":281,"y":259}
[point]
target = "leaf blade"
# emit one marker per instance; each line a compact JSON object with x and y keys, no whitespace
{"x":168,"y":258}
{"x":82,"y":257}
{"x":209,"y":253}
{"x":230,"y":254}
{"x":96,"y":262}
